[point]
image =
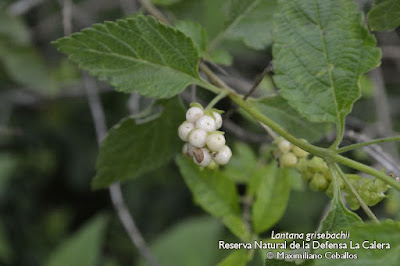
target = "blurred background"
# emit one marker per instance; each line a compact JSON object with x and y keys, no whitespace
{"x":48,"y":213}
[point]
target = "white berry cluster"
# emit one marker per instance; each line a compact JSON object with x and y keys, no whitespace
{"x":204,"y":143}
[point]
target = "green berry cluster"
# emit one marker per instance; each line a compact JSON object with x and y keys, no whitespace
{"x":316,"y":173}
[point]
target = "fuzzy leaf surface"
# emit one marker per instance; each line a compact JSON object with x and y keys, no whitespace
{"x":135,"y":54}
{"x":250,"y":21}
{"x":321,"y":48}
{"x":385,"y":15}
{"x":214,"y":192}
{"x":131,"y":149}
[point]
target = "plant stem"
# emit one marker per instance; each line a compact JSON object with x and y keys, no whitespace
{"x":217,"y":98}
{"x":364,"y":168}
{"x":326,"y":154}
{"x":257,"y":82}
{"x":363,"y":205}
{"x":367,"y":143}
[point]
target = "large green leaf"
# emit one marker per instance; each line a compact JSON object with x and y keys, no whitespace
{"x":321,"y":49}
{"x":214,"y":192}
{"x":136,"y":54}
{"x":249,"y":21}
{"x":386,"y":232}
{"x":385,"y":15}
{"x":131,"y":149}
{"x":196,"y":32}
{"x":190,"y":242}
{"x":272,"y":195}
{"x":83,"y":248}
{"x":279,"y":110}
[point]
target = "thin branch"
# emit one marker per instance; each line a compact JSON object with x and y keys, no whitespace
{"x":375,"y":152}
{"x":367,"y":143}
{"x":243,"y":134}
{"x":383,"y":108}
{"x":363,"y":205}
{"x":216,"y":99}
{"x":257,"y":82}
{"x":153,"y":11}
{"x":115,"y":189}
{"x":67,"y":16}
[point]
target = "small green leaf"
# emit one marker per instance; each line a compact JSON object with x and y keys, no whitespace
{"x":190,"y":242}
{"x":385,"y":232}
{"x":271,"y":197}
{"x":279,"y":110}
{"x":237,"y":258}
{"x":338,"y":216}
{"x":196,"y":32}
{"x":214,"y":192}
{"x":249,"y":21}
{"x":131,"y":149}
{"x":136,"y":54}
{"x":321,"y":49}
{"x":221,"y":56}
{"x":384,"y":15}
{"x":83,"y":248}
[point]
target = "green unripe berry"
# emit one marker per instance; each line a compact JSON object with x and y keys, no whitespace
{"x":319,"y":183}
{"x":318,"y":164}
{"x":288,"y":160}
{"x":299,"y":152}
{"x":352,"y":202}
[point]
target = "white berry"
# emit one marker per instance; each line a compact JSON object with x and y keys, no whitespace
{"x":193,"y":114}
{"x":206,"y":123}
{"x":184,"y":130}
{"x":218,"y":120}
{"x":187,"y":149}
{"x":223,"y":155}
{"x":288,"y":159}
{"x":201,"y":156}
{"x":299,"y":152}
{"x":284,"y":146}
{"x":215,"y":141}
{"x":198,"y":137}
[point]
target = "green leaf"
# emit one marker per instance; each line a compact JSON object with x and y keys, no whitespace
{"x":136,"y":54}
{"x":190,"y":242}
{"x":221,"y":56}
{"x":385,"y":232}
{"x":241,"y":166}
{"x":26,"y":67}
{"x":385,"y":15}
{"x":271,"y":197}
{"x":321,"y":49}
{"x":278,"y":109}
{"x":83,"y":248}
{"x":214,"y":192}
{"x":237,"y":258}
{"x":249,"y":21}
{"x":131,"y":149}
{"x":338,"y":216}
{"x":196,"y":32}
